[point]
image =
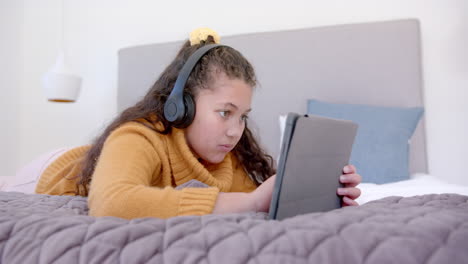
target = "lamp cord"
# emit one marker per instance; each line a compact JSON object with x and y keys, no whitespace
{"x":63,"y":26}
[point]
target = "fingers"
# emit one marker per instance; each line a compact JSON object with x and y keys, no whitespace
{"x":352,"y":193}
{"x":350,"y":180}
{"x":348,"y":169}
{"x":349,"y":202}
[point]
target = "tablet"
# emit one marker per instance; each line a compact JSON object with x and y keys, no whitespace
{"x":314,"y":150}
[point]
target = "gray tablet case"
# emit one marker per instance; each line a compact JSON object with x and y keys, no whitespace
{"x":313,"y":153}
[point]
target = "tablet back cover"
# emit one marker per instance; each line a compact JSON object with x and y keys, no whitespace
{"x":318,"y":150}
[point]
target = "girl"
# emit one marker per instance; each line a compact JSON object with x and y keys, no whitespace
{"x":137,"y":167}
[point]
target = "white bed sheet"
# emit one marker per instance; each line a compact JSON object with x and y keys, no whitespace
{"x":418,"y":184}
{"x":4,"y":181}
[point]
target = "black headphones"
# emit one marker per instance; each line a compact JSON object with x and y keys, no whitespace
{"x":179,"y":108}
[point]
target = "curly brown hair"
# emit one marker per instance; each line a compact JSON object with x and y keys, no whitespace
{"x":257,"y":163}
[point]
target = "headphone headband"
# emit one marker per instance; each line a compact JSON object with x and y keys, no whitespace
{"x":188,"y":68}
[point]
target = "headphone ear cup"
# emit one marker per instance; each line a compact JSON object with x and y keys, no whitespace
{"x":189,"y":111}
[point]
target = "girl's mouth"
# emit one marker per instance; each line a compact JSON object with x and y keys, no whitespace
{"x":226,"y":147}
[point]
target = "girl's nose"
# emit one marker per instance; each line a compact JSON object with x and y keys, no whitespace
{"x":235,"y":129}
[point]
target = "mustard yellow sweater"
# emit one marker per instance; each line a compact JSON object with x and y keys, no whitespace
{"x":136,"y":174}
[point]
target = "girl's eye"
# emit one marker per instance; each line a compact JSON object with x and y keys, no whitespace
{"x":224,"y":113}
{"x":245,"y":117}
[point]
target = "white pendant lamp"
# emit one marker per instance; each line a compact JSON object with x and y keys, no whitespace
{"x":60,"y":83}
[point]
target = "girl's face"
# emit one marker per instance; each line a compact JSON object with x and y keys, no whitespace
{"x":221,"y":113}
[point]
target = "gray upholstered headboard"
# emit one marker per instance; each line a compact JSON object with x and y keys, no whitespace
{"x":370,"y":63}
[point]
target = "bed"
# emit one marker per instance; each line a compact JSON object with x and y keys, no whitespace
{"x":373,"y":64}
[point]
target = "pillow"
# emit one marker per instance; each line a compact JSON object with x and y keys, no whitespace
{"x":27,"y":177}
{"x":381,"y":149}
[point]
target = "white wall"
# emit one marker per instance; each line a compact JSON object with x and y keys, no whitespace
{"x":11,"y":22}
{"x":96,"y":30}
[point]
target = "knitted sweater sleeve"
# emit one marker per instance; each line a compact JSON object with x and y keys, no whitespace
{"x":126,"y":172}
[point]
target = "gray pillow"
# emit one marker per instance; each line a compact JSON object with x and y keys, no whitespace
{"x":381,"y":149}
{"x":192,"y":184}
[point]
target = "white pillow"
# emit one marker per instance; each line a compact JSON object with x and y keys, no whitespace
{"x":282,"y":122}
{"x":26,"y":177}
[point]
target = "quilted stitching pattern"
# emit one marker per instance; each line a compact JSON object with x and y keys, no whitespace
{"x":56,"y":229}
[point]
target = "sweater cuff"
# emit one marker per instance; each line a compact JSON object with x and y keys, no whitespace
{"x":197,"y":201}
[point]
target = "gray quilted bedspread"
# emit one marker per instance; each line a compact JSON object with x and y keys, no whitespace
{"x":55,"y":229}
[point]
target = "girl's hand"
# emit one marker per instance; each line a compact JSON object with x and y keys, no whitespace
{"x":350,"y":179}
{"x":261,"y":197}
{"x":237,"y":202}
